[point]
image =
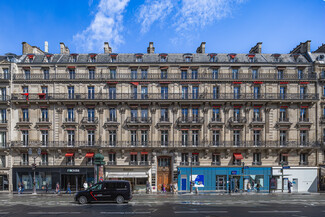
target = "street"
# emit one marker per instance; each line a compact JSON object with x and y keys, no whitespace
{"x":168,"y":205}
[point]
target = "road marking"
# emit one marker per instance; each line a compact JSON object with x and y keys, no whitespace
{"x":203,"y":212}
{"x":272,"y":211}
{"x":4,"y":213}
{"x":125,"y":213}
{"x":51,"y":213}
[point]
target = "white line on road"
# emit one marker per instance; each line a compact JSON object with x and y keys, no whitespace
{"x":4,"y":213}
{"x":194,"y":212}
{"x":272,"y":211}
{"x":125,"y":213}
{"x":51,"y":213}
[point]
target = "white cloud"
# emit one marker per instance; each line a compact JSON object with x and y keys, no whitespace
{"x":153,"y":10}
{"x":107,"y":25}
{"x":185,"y":15}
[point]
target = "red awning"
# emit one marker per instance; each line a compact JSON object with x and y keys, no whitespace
{"x":71,"y":67}
{"x":237,"y":106}
{"x":284,"y":82}
{"x":283,"y":106}
{"x":304,"y":82}
{"x":238,"y":156}
{"x":216,"y":106}
{"x":164,"y":67}
{"x":258,"y":82}
{"x":43,"y":153}
{"x":237,"y":82}
{"x":135,"y":83}
{"x":232,"y":56}
{"x":304,"y":107}
{"x":144,"y":152}
{"x":30,"y":56}
{"x":251,"y":55}
{"x":285,"y":154}
{"x":133,"y":153}
{"x":91,"y":67}
{"x":195,"y":153}
{"x":69,"y":154}
{"x":90,"y":155}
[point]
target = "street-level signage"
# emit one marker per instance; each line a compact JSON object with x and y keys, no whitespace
{"x":286,"y":167}
{"x":73,"y":170}
{"x":246,"y":167}
{"x":234,"y":172}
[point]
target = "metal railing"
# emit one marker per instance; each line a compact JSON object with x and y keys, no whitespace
{"x":234,"y":120}
{"x":285,"y":120}
{"x":158,"y":96}
{"x":216,"y":120}
{"x":41,"y":120}
{"x":89,"y":120}
{"x":190,"y":120}
{"x":138,"y":120}
{"x":165,"y":76}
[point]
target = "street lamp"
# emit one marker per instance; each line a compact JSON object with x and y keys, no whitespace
{"x":30,"y":152}
{"x":191,"y":183}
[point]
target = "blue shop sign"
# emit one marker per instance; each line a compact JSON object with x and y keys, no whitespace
{"x":234,"y":172}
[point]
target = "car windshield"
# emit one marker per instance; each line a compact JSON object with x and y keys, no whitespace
{"x":96,"y":187}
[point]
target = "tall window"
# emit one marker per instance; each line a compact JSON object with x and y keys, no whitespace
{"x":215,"y":159}
{"x":164,"y":138}
{"x":254,"y":74}
{"x":216,"y":92}
{"x":303,"y":159}
{"x":3,"y":115}
{"x":144,"y":114}
{"x":72,"y":74}
{"x":195,"y":138}
{"x":144,"y":74}
{"x":184,"y":92}
{"x":111,"y":158}
{"x":236,"y":92}
{"x":257,"y":137}
{"x":112,"y":138}
{"x":45,"y":137}
{"x":46,"y":74}
{"x":91,"y":92}
{"x":25,"y":90}
{"x":3,"y":161}
{"x":27,"y":74}
{"x":283,"y":92}
{"x":194,"y":74}
{"x":215,"y":73}
{"x":134,"y":158}
{"x":3,"y":140}
{"x":91,"y":73}
{"x":184,"y":138}
{"x":70,"y":137}
{"x":216,"y":137}
{"x":25,"y":159}
{"x":6,"y":74}
{"x":257,"y":115}
{"x":144,"y":158}
{"x":184,"y":114}
{"x":44,"y":114}
{"x":303,"y":138}
{"x":70,"y":115}
{"x":195,"y":92}
{"x":144,"y":137}
{"x":112,"y":92}
{"x":134,"y":114}
{"x":71,"y":92}
{"x":25,"y":114}
{"x":236,"y":114}
{"x":134,"y":91}
{"x":112,"y":73}
{"x":283,"y":114}
{"x":184,"y":74}
{"x":234,"y":73}
{"x":257,"y":93}
{"x":134,"y":73}
{"x":44,"y":89}
{"x":163,"y":74}
{"x":25,"y":137}
{"x":133,"y":138}
{"x":303,"y":92}
{"x":91,"y":137}
{"x":283,"y":137}
{"x":195,"y":114}
{"x":184,"y":160}
{"x":3,"y":94}
{"x":280,"y":74}
{"x":236,"y":137}
{"x":300,"y":74}
{"x":195,"y":158}
{"x":303,"y":114}
{"x":284,"y":158}
{"x":164,"y":114}
{"x":256,"y":158}
{"x":112,"y":114}
{"x":91,"y":114}
{"x":70,"y":160}
{"x":144,"y":92}
{"x":216,"y":114}
{"x":45,"y":158}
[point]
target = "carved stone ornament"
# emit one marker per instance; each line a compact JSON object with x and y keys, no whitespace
{"x":59,"y":110}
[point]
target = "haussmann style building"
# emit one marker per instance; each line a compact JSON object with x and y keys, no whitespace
{"x":220,"y":120}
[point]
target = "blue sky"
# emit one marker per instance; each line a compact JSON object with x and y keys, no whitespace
{"x":173,"y":25}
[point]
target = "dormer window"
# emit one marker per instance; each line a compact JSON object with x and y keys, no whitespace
{"x":163,"y":58}
{"x":138,"y":58}
{"x":232,"y":57}
{"x":296,"y":57}
{"x":92,"y":58}
{"x":30,"y":58}
{"x":188,"y":58}
{"x":48,"y":58}
{"x":251,"y":58}
{"x":113,"y":57}
{"x":73,"y":58}
{"x":276,"y":57}
{"x":213,"y":57}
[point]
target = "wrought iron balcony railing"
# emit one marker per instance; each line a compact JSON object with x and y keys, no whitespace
{"x":89,"y":120}
{"x":138,"y":120}
{"x":237,"y":120}
{"x":158,"y":96}
{"x":190,"y":120}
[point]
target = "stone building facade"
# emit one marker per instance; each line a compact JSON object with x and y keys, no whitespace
{"x":152,"y":114}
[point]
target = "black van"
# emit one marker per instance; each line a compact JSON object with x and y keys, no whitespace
{"x":119,"y":191}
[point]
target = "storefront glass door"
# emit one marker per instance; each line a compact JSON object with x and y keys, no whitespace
{"x":220,"y":183}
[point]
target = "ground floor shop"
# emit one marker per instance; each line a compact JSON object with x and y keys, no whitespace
{"x":49,"y":177}
{"x":322,"y":178}
{"x":137,"y":176}
{"x":224,"y":179}
{"x":4,"y":183}
{"x":303,"y":179}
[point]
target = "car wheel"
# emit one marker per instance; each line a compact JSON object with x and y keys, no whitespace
{"x":82,"y":200}
{"x":119,"y":199}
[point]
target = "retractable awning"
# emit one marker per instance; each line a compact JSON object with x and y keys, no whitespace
{"x":69,"y":154}
{"x":90,"y":155}
{"x":238,"y":156}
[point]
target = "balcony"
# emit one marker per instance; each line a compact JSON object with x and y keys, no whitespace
{"x":191,"y":121}
{"x":138,"y":121}
{"x":133,"y":163}
{"x":111,"y":163}
{"x":283,"y":122}
{"x":43,"y":122}
{"x":111,"y":122}
{"x":202,"y":97}
{"x":184,"y":163}
{"x":304,"y":122}
{"x":70,"y":122}
{"x":89,"y":121}
{"x":144,"y":163}
{"x":237,"y":121}
{"x":215,"y":122}
{"x":164,"y":122}
{"x":24,"y":122}
{"x":217,"y":163}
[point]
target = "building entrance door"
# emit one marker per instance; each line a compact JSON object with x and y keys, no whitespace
{"x":76,"y":182}
{"x":220,"y":183}
{"x":235,"y":183}
{"x":164,"y":173}
{"x":295,"y":185}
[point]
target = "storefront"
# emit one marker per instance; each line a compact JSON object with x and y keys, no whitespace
{"x":303,"y":179}
{"x":76,"y":176}
{"x":4,"y":183}
{"x":224,"y":179}
{"x":137,"y":176}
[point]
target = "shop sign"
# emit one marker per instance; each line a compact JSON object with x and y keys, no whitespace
{"x":198,"y":180}
{"x":73,"y":171}
{"x":273,"y":184}
{"x":234,"y":172}
{"x":287,"y":167}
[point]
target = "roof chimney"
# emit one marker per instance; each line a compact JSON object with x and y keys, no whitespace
{"x":257,"y":48}
{"x":64,"y":49}
{"x":151,"y":48}
{"x":302,"y":48}
{"x":46,"y":47}
{"x":201,"y":49}
{"x":107,"y":48}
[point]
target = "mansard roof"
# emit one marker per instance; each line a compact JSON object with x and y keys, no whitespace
{"x":171,"y":58}
{"x":318,"y":57}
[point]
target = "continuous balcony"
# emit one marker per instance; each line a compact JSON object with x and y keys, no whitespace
{"x":163,"y":76}
{"x":138,"y":121}
{"x":4,"y":98}
{"x":190,"y":121}
{"x":203,"y":97}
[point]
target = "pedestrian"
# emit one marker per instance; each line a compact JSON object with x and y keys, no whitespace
{"x":175,"y":188}
{"x":85,"y":185}
{"x":68,"y":188}
{"x":19,"y":188}
{"x":22,"y":187}
{"x":57,"y":189}
{"x":171,"y":188}
{"x":253,"y":185}
{"x":148,"y":187}
{"x":258,"y":187}
{"x":46,"y":187}
{"x":90,"y":184}
{"x":248,"y":186}
{"x":289,"y":186}
{"x":163,"y":188}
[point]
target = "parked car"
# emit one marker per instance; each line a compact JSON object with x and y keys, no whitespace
{"x":118,"y":191}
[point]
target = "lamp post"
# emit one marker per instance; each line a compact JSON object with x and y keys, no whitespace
{"x":191,"y":183}
{"x":30,"y":152}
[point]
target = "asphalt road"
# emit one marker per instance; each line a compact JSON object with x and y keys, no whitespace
{"x":168,"y":205}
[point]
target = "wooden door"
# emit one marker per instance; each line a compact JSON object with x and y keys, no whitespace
{"x":164,"y":173}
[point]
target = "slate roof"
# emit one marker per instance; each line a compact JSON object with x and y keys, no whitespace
{"x":318,"y":57}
